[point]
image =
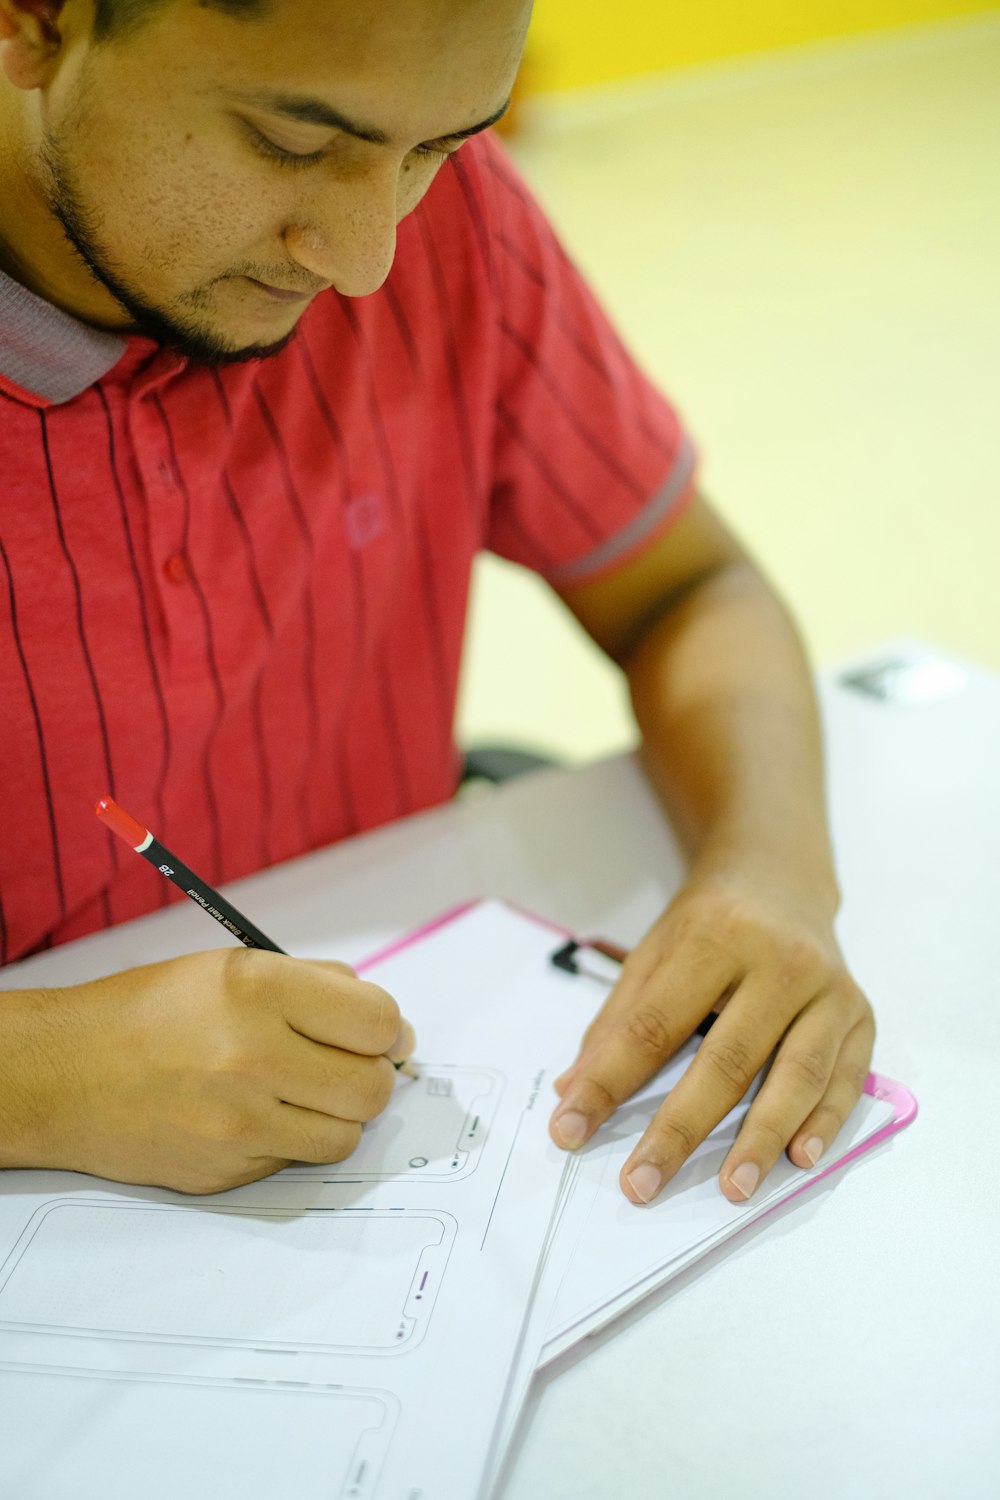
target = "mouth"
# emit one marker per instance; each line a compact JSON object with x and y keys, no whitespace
{"x":279,"y":293}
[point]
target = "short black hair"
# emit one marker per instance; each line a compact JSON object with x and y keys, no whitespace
{"x":114,"y":18}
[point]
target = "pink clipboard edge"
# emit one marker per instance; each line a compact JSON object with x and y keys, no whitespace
{"x":877,"y":1086}
{"x":905,"y":1109}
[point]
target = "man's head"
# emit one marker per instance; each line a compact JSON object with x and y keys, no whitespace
{"x":200,"y":170}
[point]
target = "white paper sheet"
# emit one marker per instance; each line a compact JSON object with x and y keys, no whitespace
{"x":365,"y":1330}
{"x":331,"y":1332}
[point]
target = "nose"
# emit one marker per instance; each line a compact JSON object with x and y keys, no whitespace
{"x":346,"y":234}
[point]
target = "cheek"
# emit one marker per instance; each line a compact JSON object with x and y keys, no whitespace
{"x":180,"y":205}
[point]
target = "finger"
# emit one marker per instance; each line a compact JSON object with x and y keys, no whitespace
{"x":404,"y":1046}
{"x":726,"y":1064}
{"x":331,"y":1082}
{"x":630,"y":1041}
{"x":327,"y":1005}
{"x":304,"y":1135}
{"x":641,"y":973}
{"x":798,"y":1079}
{"x":813,"y":1085}
{"x":817,"y":1134}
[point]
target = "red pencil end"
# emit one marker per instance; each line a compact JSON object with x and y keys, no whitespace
{"x":119,"y":821}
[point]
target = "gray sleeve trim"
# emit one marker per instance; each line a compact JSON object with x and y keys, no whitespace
{"x":640,"y":527}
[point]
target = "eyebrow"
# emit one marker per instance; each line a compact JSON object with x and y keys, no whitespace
{"x":316,"y":112}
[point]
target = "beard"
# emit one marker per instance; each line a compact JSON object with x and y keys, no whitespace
{"x":191,"y":336}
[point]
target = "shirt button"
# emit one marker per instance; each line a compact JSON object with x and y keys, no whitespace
{"x":177,"y":568}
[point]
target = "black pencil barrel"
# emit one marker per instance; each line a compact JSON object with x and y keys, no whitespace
{"x":217,"y":906}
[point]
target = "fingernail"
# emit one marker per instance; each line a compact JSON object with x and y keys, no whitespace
{"x":645,"y":1181}
{"x":813,"y":1148}
{"x":571,"y":1128}
{"x":745,"y":1178}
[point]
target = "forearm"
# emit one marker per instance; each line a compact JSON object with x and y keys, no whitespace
{"x":723,"y":696}
{"x":731,"y":738}
{"x":33,"y":1052}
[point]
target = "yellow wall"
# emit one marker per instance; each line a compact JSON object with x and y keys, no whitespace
{"x":579,"y":42}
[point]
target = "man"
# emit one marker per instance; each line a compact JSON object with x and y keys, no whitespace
{"x":250,"y":445}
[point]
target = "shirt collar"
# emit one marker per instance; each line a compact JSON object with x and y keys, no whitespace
{"x":46,"y":351}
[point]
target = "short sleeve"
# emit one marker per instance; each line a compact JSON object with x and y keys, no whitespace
{"x":591,"y":462}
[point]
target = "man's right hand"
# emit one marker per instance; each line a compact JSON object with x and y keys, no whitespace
{"x":199,"y":1073}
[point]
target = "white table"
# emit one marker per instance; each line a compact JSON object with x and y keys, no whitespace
{"x":850,"y":1345}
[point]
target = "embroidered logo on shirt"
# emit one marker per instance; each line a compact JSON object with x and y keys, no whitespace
{"x":364,"y":521}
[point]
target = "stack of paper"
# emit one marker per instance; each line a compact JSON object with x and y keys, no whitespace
{"x":368,"y":1330}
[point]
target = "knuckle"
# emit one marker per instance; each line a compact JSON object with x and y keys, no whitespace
{"x":854,"y":1075}
{"x":343,"y":1145}
{"x":377,"y":1085}
{"x":248,"y":969}
{"x":733,"y":1061}
{"x":711,"y":931}
{"x":204,"y":1183}
{"x":231,"y":1126}
{"x":866,"y":1016}
{"x":812,"y":1068}
{"x":801,"y":965}
{"x":647,"y":1032}
{"x":595,"y":1097}
{"x":770,"y":1138}
{"x":674,"y":1137}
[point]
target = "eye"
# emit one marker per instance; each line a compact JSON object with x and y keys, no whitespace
{"x":266,"y":147}
{"x":447,"y":146}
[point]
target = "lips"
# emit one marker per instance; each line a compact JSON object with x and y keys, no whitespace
{"x":279,"y":293}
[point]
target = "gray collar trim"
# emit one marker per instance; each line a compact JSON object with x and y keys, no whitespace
{"x":46,"y":351}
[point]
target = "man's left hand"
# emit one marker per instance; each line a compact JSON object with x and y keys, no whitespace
{"x":769,"y":962}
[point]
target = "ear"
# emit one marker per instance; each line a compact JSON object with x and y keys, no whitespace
{"x":30,"y":41}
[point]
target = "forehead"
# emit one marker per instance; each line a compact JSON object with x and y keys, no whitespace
{"x":403,"y":56}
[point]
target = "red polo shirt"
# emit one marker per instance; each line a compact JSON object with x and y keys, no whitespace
{"x":235,"y":598}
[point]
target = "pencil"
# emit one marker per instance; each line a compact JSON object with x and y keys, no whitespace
{"x":175,"y":870}
{"x":143,"y":842}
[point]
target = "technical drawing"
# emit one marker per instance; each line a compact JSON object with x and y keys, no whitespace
{"x":317,"y":1280}
{"x":251,"y":1436}
{"x":434,"y":1127}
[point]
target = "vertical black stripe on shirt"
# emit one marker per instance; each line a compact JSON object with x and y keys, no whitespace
{"x":220,"y":391}
{"x":431,"y":592}
{"x":147,"y":632}
{"x":214,"y":821}
{"x":403,"y":324}
{"x":358,"y":613}
{"x":532,"y":544}
{"x":546,"y":472}
{"x":39,"y":737}
{"x":309,"y":614}
{"x":265,"y":854}
{"x":587,"y":352}
{"x":589,"y":438}
{"x":475,"y":214}
{"x":81,"y":631}
{"x":452,"y":362}
{"x":498,"y":167}
{"x":404,"y":794}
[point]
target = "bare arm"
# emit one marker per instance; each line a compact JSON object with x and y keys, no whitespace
{"x":724,"y":699}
